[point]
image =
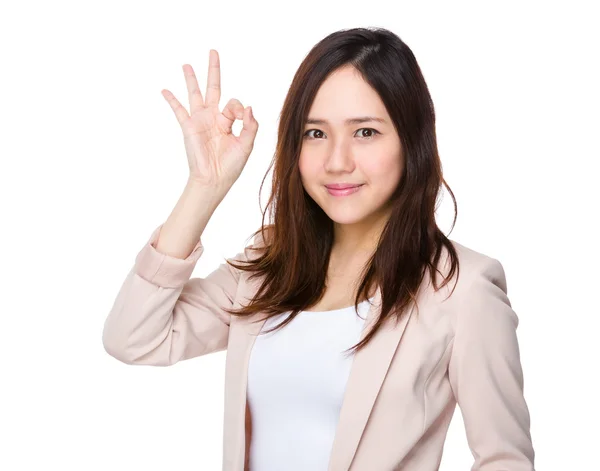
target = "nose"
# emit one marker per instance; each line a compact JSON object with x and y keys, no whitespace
{"x":340,"y":159}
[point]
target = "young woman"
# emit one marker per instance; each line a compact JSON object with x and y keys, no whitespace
{"x":350,"y":335}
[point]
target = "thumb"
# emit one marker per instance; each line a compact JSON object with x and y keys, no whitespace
{"x":249,"y":130}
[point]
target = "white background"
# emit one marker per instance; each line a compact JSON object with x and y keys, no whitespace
{"x":92,"y":160}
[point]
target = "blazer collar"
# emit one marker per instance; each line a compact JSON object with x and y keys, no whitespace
{"x":367,"y":373}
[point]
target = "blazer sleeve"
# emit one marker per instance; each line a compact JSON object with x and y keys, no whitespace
{"x":161,"y":316}
{"x":486,"y":376}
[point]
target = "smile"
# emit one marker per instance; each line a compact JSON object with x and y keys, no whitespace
{"x":344,"y":191}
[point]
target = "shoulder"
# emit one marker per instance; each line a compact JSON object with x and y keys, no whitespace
{"x":475,"y":265}
{"x":481,"y":295}
{"x":478,"y":277}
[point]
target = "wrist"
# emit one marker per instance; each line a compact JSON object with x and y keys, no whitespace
{"x":211,"y":195}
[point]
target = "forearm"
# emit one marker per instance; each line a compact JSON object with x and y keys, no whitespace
{"x":186,"y":223}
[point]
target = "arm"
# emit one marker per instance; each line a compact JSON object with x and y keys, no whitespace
{"x":486,"y":375}
{"x":161,"y":316}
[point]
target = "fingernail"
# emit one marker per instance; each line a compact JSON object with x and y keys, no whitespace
{"x":250,"y":112}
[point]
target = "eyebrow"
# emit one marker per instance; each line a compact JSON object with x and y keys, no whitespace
{"x":358,"y":120}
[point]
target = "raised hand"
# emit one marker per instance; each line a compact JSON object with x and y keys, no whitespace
{"x":216,"y":157}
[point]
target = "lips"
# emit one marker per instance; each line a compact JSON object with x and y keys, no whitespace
{"x":341,"y":186}
{"x":345,"y":190}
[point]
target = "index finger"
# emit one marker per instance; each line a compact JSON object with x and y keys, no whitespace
{"x":213,"y":86}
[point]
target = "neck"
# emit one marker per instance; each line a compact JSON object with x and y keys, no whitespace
{"x":360,"y":238}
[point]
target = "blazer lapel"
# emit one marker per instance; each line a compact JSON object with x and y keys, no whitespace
{"x":367,"y":373}
{"x":242,"y":334}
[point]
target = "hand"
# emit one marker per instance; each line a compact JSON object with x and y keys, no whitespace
{"x":216,"y":157}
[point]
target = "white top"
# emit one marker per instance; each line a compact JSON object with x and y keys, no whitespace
{"x":296,"y":381}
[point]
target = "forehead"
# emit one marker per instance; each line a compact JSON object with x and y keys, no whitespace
{"x":346,"y":94}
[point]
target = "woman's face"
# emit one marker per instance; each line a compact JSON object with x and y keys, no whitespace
{"x":334,"y":151}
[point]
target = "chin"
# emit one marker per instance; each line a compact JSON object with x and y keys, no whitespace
{"x":350,"y":217}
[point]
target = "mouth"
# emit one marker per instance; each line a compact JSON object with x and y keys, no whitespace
{"x":342,"y":190}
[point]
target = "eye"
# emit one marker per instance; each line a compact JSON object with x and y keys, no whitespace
{"x":307,"y":133}
{"x":373,"y":131}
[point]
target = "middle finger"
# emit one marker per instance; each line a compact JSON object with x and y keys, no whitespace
{"x":213,"y":86}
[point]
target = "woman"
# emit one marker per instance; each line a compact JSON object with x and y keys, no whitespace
{"x":344,"y":349}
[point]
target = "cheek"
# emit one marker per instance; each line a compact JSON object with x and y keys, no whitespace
{"x":382,"y":170}
{"x":307,"y":168}
{"x":382,"y":163}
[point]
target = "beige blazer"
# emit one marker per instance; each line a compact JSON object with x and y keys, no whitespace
{"x":403,"y":388}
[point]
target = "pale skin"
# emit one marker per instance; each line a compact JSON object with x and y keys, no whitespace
{"x":216,"y":158}
{"x":365,"y":151}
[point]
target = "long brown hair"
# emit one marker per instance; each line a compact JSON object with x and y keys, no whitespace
{"x":296,"y":252}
